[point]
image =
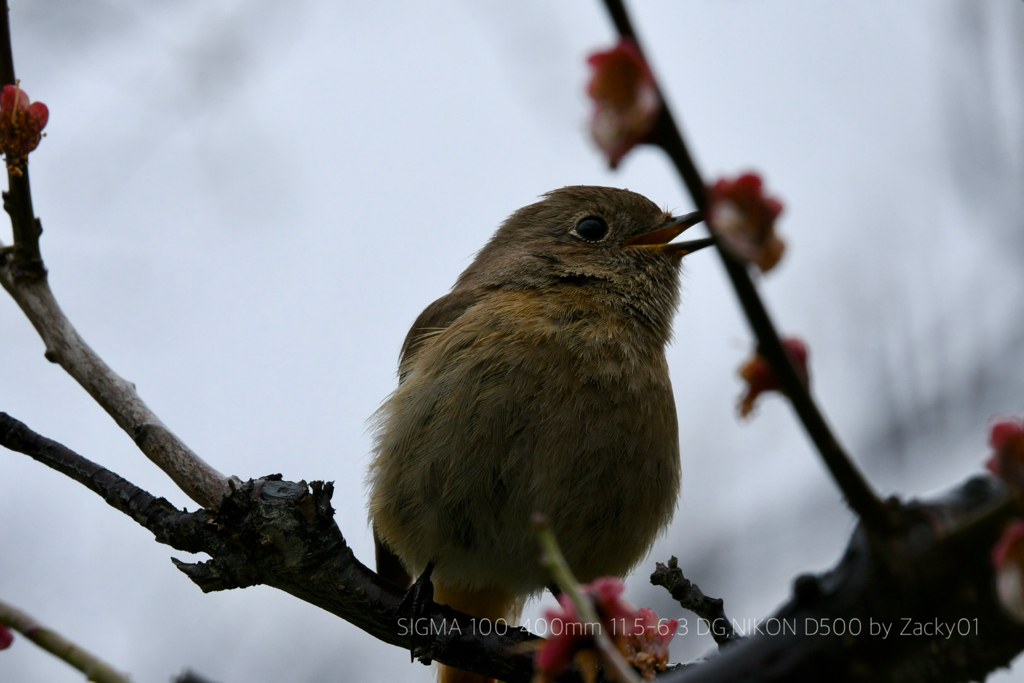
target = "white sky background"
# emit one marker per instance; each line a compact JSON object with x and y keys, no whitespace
{"x":246,"y":204}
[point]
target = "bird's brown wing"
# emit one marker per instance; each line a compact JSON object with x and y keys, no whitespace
{"x":434,"y":319}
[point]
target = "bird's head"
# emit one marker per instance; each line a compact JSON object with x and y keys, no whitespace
{"x":613,"y":242}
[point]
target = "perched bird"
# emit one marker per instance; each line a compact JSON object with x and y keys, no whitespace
{"x":538,"y":384}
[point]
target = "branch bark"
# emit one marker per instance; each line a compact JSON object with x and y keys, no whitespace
{"x":282,"y":534}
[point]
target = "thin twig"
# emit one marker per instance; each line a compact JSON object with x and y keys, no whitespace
{"x":559,"y":569}
{"x":189,"y":676}
{"x":23,"y":275}
{"x":201,"y":482}
{"x":691,"y":597}
{"x":858,"y":493}
{"x":94,"y":668}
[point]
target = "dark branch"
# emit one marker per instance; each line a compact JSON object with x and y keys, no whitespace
{"x":928,"y":575}
{"x":858,"y":493}
{"x":283,"y":534}
{"x":692,"y":598}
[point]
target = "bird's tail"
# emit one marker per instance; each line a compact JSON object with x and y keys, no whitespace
{"x":489,"y":603}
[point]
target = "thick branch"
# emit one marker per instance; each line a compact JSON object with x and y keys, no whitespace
{"x":917,"y":608}
{"x":858,"y":493}
{"x":282,"y":534}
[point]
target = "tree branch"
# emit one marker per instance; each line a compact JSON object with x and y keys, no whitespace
{"x":914,"y":608}
{"x":283,"y":534}
{"x":856,"y":490}
{"x":201,"y":482}
{"x":691,"y":597}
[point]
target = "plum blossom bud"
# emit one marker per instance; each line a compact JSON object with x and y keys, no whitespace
{"x":638,"y":634}
{"x":21,"y":125}
{"x":6,"y":637}
{"x":626,"y":99}
{"x":647,"y":646}
{"x":758,"y":374}
{"x":743,"y":219}
{"x":1006,"y":436}
{"x":1008,"y":560}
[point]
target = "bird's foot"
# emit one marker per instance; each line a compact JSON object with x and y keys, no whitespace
{"x":416,"y":607}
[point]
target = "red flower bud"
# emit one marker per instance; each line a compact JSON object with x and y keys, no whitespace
{"x":1008,"y":560}
{"x":647,"y":646}
{"x":758,"y":374}
{"x":626,"y":99}
{"x":1006,"y":436}
{"x":21,"y":125}
{"x":638,"y":634}
{"x":743,"y":219}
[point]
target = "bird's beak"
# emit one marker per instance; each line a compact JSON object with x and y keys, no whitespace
{"x":661,"y":238}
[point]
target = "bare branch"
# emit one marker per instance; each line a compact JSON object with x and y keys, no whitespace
{"x":692,"y":598}
{"x":201,"y":482}
{"x":917,"y":607}
{"x":283,"y":534}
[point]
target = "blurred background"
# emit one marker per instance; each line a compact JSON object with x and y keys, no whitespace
{"x":246,"y":204}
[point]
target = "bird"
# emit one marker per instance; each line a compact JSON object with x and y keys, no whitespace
{"x":538,"y":384}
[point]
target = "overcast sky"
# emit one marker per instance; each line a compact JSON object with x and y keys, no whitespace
{"x":246,"y":204}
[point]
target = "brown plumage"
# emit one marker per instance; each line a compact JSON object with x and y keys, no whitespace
{"x":538,"y":384}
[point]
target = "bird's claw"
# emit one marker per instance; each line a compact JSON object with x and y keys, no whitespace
{"x":416,"y":604}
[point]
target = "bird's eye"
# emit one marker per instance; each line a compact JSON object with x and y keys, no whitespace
{"x":591,"y":228}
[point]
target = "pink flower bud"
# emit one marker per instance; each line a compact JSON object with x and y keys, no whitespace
{"x":647,"y":647}
{"x":21,"y":125}
{"x":1008,"y":559}
{"x":6,"y":637}
{"x":758,"y":374}
{"x":626,"y":99}
{"x":638,"y":634}
{"x":743,"y":218}
{"x":1006,"y":436}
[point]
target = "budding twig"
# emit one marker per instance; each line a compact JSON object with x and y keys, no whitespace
{"x":556,"y":565}
{"x":26,"y":260}
{"x":23,"y":275}
{"x":858,"y":493}
{"x":94,"y":668}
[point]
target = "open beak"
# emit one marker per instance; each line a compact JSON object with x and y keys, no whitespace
{"x":661,"y":238}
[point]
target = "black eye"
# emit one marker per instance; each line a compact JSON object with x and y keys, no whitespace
{"x":591,"y":228}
